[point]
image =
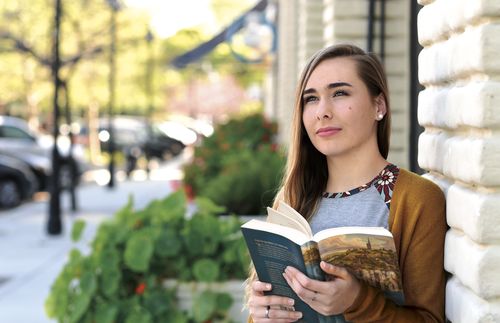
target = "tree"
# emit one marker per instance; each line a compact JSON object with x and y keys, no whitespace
{"x":25,"y":32}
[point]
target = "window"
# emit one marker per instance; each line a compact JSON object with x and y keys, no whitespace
{"x":12,"y":132}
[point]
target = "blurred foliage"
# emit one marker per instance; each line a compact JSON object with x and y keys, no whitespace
{"x":122,"y":278}
{"x":25,"y":41}
{"x":239,"y":166}
{"x":26,"y":49}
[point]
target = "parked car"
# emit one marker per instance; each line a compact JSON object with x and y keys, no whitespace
{"x":17,"y":182}
{"x":18,"y":141}
{"x":135,"y":137}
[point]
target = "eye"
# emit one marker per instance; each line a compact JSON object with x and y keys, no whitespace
{"x":309,"y":98}
{"x":339,"y":93}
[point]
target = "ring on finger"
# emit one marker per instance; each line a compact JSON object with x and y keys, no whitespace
{"x":267,"y":311}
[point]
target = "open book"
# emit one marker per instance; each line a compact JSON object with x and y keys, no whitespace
{"x":286,"y":239}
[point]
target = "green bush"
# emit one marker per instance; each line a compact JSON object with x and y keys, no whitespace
{"x":239,"y":166}
{"x":122,"y":278}
{"x":248,"y":181}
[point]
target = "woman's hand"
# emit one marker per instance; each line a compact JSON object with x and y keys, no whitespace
{"x":330,"y":297}
{"x":270,"y":308}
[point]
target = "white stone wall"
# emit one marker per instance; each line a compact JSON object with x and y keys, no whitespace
{"x":460,"y":147}
{"x":310,"y":32}
{"x":287,"y":65}
{"x":346,"y":21}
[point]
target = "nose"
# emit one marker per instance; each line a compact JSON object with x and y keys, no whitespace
{"x":324,"y":110}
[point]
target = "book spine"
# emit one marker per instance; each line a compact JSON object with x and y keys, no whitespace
{"x":313,"y":270}
{"x":311,"y":260}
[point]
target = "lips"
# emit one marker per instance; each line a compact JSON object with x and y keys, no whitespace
{"x":328,"y":131}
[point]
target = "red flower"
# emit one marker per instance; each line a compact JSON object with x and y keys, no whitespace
{"x":139,"y":290}
{"x":188,"y":189}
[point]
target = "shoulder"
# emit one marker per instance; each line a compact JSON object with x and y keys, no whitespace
{"x":418,"y":205}
{"x":416,"y":187}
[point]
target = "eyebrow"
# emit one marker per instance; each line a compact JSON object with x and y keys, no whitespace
{"x":329,"y":86}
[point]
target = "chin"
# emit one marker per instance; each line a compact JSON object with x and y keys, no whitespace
{"x":330,"y":152}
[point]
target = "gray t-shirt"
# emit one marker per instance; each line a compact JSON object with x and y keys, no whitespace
{"x":366,"y":208}
{"x":367,"y":205}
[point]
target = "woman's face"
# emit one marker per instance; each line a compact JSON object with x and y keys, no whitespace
{"x":339,"y":113}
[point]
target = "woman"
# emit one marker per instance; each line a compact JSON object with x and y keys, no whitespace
{"x":337,"y":175}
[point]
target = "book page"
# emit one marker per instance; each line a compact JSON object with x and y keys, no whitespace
{"x":376,"y":231}
{"x":289,"y":212}
{"x":291,"y":234}
{"x":277,"y":217}
{"x":368,"y":253}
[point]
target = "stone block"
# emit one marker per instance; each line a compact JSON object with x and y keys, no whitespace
{"x":463,"y":306}
{"x":475,"y":212}
{"x":471,"y":54}
{"x":475,"y":265}
{"x":475,"y":104}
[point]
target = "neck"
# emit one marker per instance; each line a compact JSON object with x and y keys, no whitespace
{"x":352,"y":170}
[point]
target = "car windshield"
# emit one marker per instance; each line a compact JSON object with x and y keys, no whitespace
{"x":13,"y":132}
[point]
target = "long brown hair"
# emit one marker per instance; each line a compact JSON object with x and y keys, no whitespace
{"x":306,"y":172}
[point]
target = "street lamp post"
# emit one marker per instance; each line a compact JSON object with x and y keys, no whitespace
{"x":149,"y":90}
{"x":54,"y":225}
{"x":150,"y":74}
{"x":111,"y":84}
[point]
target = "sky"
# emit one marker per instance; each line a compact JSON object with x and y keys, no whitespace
{"x":168,"y":16}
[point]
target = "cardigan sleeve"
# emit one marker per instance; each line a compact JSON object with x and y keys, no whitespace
{"x":418,"y":223}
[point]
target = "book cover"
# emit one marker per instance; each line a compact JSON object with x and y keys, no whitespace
{"x":286,"y":239}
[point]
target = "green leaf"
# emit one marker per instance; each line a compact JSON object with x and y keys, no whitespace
{"x":76,"y":232}
{"x":110,"y":281}
{"x":207,"y":206}
{"x":177,"y":317}
{"x":202,"y":235}
{"x":124,"y":213}
{"x":206,"y":270}
{"x":88,"y":283}
{"x":224,"y":302}
{"x":138,"y":252}
{"x":80,"y":305}
{"x":139,"y":315}
{"x":109,"y":258}
{"x":106,"y":313}
{"x":169,"y":243}
{"x":204,"y":306}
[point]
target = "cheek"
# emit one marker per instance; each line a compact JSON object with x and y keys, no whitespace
{"x":307,"y":119}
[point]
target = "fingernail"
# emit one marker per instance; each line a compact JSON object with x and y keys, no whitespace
{"x":291,"y":301}
{"x":298,"y":315}
{"x":268,"y":286}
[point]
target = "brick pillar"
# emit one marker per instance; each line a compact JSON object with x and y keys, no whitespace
{"x":287,"y":65}
{"x":460,"y":147}
{"x":310,"y":32}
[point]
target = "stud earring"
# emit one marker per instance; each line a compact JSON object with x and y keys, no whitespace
{"x":380,"y":116}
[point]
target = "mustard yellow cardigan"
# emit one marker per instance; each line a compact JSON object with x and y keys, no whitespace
{"x":417,"y":220}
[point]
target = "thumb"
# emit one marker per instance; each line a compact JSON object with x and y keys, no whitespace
{"x":336,"y":271}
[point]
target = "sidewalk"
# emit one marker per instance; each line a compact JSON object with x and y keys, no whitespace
{"x":30,"y":259}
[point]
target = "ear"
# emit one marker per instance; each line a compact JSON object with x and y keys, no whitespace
{"x":380,"y":107}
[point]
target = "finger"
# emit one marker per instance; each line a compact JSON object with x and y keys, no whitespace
{"x":271,"y":300}
{"x":336,"y":271}
{"x":273,"y":314}
{"x":304,"y":281}
{"x":306,"y":294}
{"x":259,"y":286}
